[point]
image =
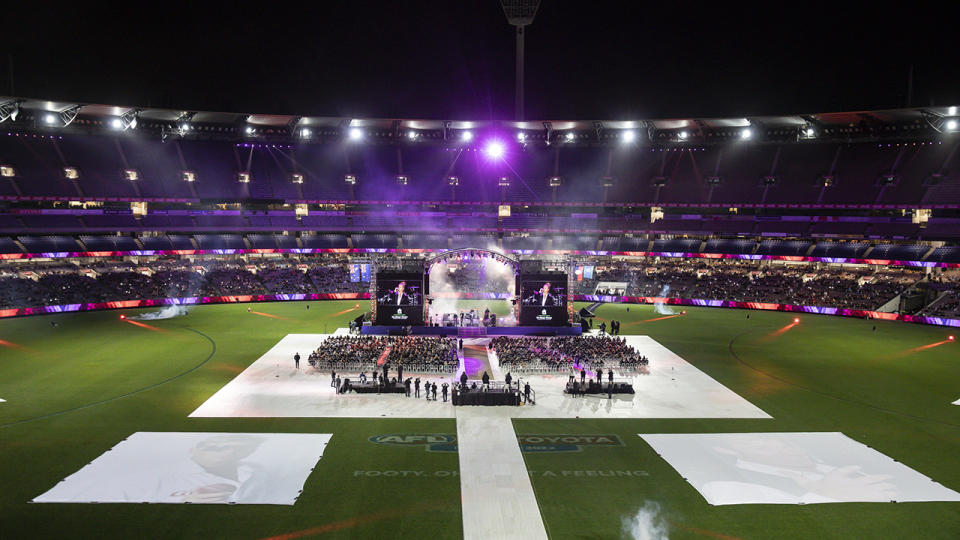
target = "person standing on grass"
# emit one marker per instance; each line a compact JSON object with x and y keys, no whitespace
{"x":296,"y":360}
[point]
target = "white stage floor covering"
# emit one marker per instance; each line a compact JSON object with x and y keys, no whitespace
{"x":496,"y":495}
{"x":272,"y":387}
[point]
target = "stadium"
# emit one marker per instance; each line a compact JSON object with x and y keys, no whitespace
{"x":262,"y":325}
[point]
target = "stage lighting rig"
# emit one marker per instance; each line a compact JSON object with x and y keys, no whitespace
{"x":7,"y":172}
{"x":555,"y":181}
{"x":131,"y":175}
{"x":296,"y":178}
{"x":350,"y":179}
{"x":402,"y":180}
{"x":188,"y":176}
{"x":71,"y":173}
{"x":503,"y":181}
{"x":244,"y":177}
{"x":453,"y":181}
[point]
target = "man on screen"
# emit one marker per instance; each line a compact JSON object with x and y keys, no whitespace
{"x":542,"y":297}
{"x":398,"y":296}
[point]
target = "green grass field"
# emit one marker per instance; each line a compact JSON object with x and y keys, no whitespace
{"x":76,"y":390}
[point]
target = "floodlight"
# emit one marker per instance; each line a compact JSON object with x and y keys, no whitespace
{"x":682,"y":135}
{"x":71,"y":173}
{"x":250,"y":130}
{"x":131,"y":174}
{"x":411,"y":134}
{"x":466,"y":136}
{"x":453,"y":180}
{"x":629,"y":136}
{"x":952,"y":110}
{"x":49,"y":119}
{"x":7,"y":171}
{"x":746,"y":133}
{"x":355,"y":134}
{"x":555,"y":181}
{"x":951,"y":124}
{"x":116,"y":123}
{"x":494,"y":149}
{"x":402,"y":180}
{"x":810,"y":132}
{"x":306,"y":133}
{"x":188,"y":176}
{"x":243,"y":177}
{"x":570,"y":136}
{"x":296,"y":178}
{"x":184,"y":126}
{"x":350,"y":179}
{"x":521,"y":136}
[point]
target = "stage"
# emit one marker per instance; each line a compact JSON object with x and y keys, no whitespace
{"x":473,"y":331}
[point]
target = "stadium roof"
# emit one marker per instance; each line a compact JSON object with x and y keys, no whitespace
{"x":35,"y":113}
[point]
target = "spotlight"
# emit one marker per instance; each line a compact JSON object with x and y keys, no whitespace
{"x":951,"y":125}
{"x":402,"y":180}
{"x":243,"y":177}
{"x":629,"y":136}
{"x":350,"y":179}
{"x":131,"y":174}
{"x":453,"y":180}
{"x":249,"y":130}
{"x":7,"y":171}
{"x":555,"y":181}
{"x":521,"y":136}
{"x":950,"y":338}
{"x":411,"y":134}
{"x":746,"y":133}
{"x":466,"y":136}
{"x":810,"y":132}
{"x":188,"y":176}
{"x":184,"y":127}
{"x":355,"y":134}
{"x":682,"y":135}
{"x":122,"y":317}
{"x":683,"y":312}
{"x":952,"y":110}
{"x":504,"y":181}
{"x":71,"y":173}
{"x":796,"y":320}
{"x":305,"y":133}
{"x":569,"y":136}
{"x":494,"y":149}
{"x":296,"y":178}
{"x":49,"y":119}
{"x":116,"y":123}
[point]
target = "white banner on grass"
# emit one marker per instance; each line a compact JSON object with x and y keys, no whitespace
{"x":204,"y":468}
{"x":791,"y":468}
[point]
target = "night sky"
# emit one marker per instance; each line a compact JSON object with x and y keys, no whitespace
{"x":455,"y":59}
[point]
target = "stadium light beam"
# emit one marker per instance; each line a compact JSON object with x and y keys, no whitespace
{"x":494,"y":150}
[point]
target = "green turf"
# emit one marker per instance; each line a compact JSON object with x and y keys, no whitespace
{"x":76,"y":390}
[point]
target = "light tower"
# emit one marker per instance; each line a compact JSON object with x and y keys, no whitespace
{"x":520,"y":13}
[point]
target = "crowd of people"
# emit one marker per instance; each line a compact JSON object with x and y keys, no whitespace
{"x":32,"y":284}
{"x":564,"y":353}
{"x":404,"y":353}
{"x":750,"y":281}
{"x":69,"y":282}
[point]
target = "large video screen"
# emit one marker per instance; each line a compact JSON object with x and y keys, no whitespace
{"x":399,"y":299}
{"x":543,"y":300}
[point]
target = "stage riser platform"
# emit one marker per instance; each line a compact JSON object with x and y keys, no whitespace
{"x":491,"y":330}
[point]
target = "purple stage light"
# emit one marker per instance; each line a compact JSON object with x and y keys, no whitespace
{"x":494,"y":149}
